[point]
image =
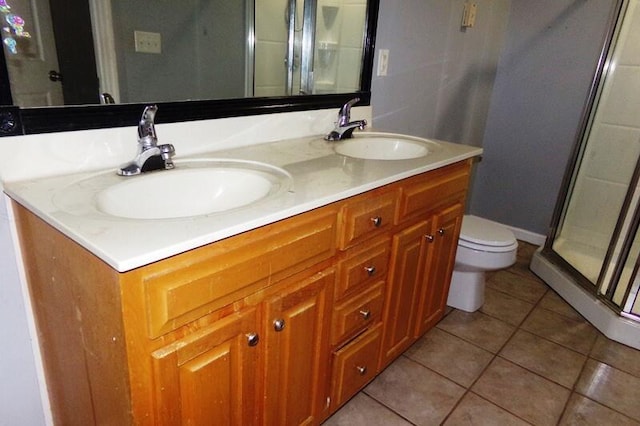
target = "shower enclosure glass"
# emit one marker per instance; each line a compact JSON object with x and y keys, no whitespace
{"x":316,"y":49}
{"x":594,"y":234}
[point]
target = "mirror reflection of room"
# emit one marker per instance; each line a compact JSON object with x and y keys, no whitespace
{"x":74,"y":52}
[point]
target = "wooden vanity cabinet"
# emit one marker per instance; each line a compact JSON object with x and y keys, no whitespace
{"x":227,"y":374}
{"x":422,"y":257}
{"x":442,"y":242}
{"x":278,"y":325}
{"x":211,"y":375}
{"x":297,"y":351}
{"x":164,"y":345}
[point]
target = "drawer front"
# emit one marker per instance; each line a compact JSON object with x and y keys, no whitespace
{"x":366,"y":217}
{"x":362,"y":268}
{"x":354,"y":366}
{"x":434,"y":189}
{"x":357,"y":313}
{"x":195,"y":283}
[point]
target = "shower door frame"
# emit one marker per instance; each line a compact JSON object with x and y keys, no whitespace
{"x":568,"y":182}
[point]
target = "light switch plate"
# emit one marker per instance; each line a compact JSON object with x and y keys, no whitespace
{"x":383,"y":62}
{"x":147,"y":42}
{"x":469,"y":15}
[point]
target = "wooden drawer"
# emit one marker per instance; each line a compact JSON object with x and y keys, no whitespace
{"x":357,"y":313}
{"x":363,"y":266}
{"x":366,"y":216}
{"x":193,"y":284}
{"x":434,"y":189}
{"x":354,"y":366}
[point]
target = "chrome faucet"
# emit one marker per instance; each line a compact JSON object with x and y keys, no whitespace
{"x":150,"y":155}
{"x":344,"y":127}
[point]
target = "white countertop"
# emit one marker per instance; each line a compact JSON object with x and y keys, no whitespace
{"x":319,"y":177}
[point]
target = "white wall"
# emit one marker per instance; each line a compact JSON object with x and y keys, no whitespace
{"x":20,"y":402}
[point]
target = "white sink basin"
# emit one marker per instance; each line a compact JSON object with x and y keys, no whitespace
{"x":385,"y":146}
{"x":193,"y":188}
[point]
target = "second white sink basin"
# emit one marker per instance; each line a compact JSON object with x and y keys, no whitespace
{"x":193,"y":188}
{"x":385,"y":146}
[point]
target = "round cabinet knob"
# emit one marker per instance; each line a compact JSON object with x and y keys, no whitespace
{"x":429,"y":238}
{"x":253,"y":339}
{"x":55,"y":76}
{"x":441,"y":232}
{"x":366,"y":314}
{"x":377,"y":221}
{"x":370,"y":270}
{"x":362,"y":370}
{"x":278,"y":325}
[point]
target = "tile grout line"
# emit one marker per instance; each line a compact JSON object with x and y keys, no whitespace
{"x":364,"y":391}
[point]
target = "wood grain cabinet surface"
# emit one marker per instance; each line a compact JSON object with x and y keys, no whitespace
{"x":280,"y":325}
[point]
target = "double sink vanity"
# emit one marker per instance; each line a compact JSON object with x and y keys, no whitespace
{"x":263,"y":284}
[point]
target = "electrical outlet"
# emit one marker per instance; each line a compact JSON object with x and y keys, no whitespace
{"x":383,"y":62}
{"x":147,"y":42}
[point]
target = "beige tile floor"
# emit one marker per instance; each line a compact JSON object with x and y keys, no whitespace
{"x":526,"y":357}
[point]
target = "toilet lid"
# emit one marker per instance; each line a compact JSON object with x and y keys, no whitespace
{"x":477,"y":232}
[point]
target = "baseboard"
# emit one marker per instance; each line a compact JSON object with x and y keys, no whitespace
{"x":528,"y":236}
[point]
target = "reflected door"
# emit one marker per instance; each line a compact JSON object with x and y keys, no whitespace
{"x":34,"y":57}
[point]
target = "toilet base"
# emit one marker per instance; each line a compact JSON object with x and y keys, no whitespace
{"x":466,"y":291}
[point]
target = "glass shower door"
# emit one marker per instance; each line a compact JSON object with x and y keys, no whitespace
{"x":596,"y":231}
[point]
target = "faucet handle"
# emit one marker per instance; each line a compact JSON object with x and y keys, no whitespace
{"x":166,"y":152}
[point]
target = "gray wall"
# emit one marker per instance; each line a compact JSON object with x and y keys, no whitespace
{"x":203,"y":50}
{"x":440,"y":76}
{"x":543,"y":80}
{"x":443,"y":84}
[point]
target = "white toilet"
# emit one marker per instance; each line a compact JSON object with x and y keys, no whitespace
{"x":483,"y":246}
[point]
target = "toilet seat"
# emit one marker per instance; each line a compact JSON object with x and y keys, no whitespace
{"x":484,"y":235}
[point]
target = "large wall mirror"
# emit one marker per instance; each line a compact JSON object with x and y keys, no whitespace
{"x":82,"y":64}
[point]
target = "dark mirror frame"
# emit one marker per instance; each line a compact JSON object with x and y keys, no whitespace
{"x":23,"y":121}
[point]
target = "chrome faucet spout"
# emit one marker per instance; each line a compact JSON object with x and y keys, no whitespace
{"x":150,"y":156}
{"x":146,"y":127}
{"x":344,"y":127}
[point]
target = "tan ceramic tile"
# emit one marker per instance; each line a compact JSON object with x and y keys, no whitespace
{"x":582,"y":411}
{"x":526,"y":287}
{"x":450,"y":356}
{"x":576,"y":335}
{"x":415,"y":392}
{"x":553,"y":302}
{"x":521,"y":392}
{"x":523,"y":259}
{"x":617,"y":355}
{"x":611,"y":387}
{"x":502,"y":306}
{"x":548,"y":359}
{"x":474,"y":410}
{"x":525,"y":251}
{"x":362,"y":410}
{"x":480,"y":329}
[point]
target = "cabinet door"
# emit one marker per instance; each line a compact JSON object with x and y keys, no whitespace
{"x":211,"y":376}
{"x":405,"y":276}
{"x":442,"y":243}
{"x":297,"y":352}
